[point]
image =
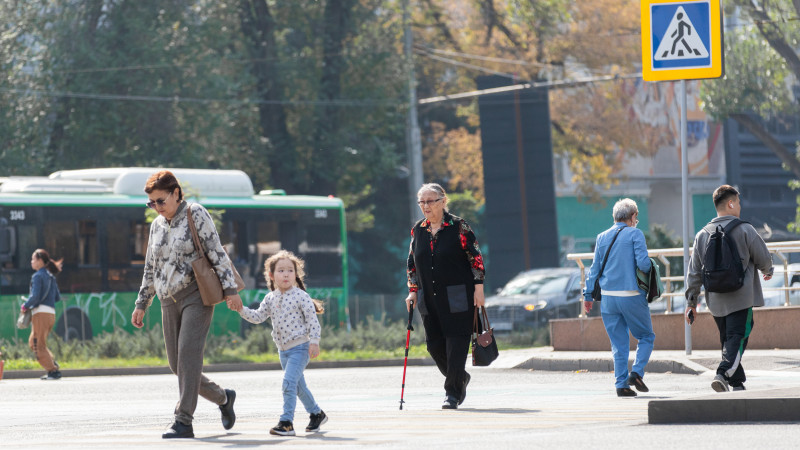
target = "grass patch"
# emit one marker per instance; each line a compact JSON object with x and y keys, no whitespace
{"x":372,"y":339}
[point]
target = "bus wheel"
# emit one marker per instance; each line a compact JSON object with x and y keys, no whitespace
{"x":74,"y":324}
{"x":245,"y":326}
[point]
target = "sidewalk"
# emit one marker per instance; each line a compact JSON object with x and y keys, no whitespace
{"x":537,"y":358}
{"x":661,"y":361}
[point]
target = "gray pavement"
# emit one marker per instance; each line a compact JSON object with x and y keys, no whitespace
{"x":508,"y":406}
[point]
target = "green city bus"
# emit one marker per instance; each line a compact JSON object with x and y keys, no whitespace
{"x":95,"y":219}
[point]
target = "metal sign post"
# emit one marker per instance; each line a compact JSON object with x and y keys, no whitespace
{"x":682,"y":40}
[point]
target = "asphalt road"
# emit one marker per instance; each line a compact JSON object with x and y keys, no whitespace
{"x":505,"y":408}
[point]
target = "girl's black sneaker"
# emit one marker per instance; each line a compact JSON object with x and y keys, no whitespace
{"x":283,"y":428}
{"x":316,"y":421}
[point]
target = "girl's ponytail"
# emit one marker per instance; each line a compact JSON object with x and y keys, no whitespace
{"x":319,"y":306}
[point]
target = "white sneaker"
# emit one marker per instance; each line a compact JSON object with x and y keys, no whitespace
{"x":720,"y":384}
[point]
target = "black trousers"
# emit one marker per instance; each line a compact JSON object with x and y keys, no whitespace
{"x":450,"y":355}
{"x":734,"y":331}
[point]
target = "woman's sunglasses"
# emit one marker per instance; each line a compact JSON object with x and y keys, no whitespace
{"x":159,"y":202}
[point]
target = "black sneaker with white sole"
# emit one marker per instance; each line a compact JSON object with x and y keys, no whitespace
{"x":283,"y":428}
{"x":53,"y":375}
{"x":316,"y":421}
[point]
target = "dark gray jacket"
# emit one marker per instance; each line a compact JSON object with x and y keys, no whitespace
{"x":754,"y":254}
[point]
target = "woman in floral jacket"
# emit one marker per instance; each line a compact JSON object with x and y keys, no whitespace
{"x":445,"y":280}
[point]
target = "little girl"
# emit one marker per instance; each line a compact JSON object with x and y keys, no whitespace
{"x":296,"y":332}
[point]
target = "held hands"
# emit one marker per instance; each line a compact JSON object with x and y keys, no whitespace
{"x":137,"y":318}
{"x":234,"y":302}
{"x":313,"y":350}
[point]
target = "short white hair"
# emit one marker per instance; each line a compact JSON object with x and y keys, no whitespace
{"x":436,"y":188}
{"x":624,"y":210}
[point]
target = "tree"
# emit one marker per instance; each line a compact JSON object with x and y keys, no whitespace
{"x":758,"y":67}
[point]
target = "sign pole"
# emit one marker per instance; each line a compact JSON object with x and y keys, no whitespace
{"x":687,"y":329}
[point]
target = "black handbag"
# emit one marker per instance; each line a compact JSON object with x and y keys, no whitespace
{"x":596,"y":292}
{"x":484,"y":345}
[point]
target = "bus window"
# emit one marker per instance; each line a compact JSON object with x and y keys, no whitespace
{"x":268,"y":243}
{"x":87,"y":243}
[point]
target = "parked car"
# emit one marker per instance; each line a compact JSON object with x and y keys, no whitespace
{"x":535,"y":296}
{"x":773,"y":296}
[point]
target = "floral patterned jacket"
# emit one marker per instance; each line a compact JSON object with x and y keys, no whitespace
{"x":171,"y":250}
{"x":469,"y":244}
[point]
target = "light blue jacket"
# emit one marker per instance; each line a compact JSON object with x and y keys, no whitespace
{"x":44,"y":290}
{"x":628,"y":253}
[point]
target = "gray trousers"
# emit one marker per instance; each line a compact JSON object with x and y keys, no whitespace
{"x":186,"y":323}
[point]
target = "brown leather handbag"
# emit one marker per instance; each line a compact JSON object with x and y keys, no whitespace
{"x":207,"y":280}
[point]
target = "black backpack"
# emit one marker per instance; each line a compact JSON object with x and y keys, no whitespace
{"x":722,"y":267}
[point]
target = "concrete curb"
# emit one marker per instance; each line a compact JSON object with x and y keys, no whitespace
{"x":777,"y":405}
{"x":208,"y":368}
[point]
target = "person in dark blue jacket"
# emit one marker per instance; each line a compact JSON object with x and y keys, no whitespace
{"x":624,"y":306}
{"x":42,"y":302}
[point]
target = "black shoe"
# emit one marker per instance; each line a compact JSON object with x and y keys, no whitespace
{"x":450,"y":402}
{"x":54,"y":375}
{"x":636,"y":380}
{"x":178,"y":430}
{"x":228,"y":416}
{"x":283,"y":428}
{"x":316,"y":421}
{"x":464,"y":389}
{"x":625,"y":392}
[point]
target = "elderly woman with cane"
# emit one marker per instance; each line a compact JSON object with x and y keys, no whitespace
{"x":445,"y":281}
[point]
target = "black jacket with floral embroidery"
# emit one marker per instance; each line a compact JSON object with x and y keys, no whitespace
{"x":444,"y":270}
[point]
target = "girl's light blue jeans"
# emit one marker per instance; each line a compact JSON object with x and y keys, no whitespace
{"x":621,"y":315}
{"x":293,"y":362}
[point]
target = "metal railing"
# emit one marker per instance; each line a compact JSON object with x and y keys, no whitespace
{"x":779,"y":250}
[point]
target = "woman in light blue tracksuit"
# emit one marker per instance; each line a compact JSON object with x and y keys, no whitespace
{"x":624,"y":306}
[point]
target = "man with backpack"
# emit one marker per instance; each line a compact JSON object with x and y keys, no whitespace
{"x":727,"y":252}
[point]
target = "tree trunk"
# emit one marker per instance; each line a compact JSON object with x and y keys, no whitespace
{"x":328,"y":151}
{"x":259,"y":29}
{"x":756,"y":128}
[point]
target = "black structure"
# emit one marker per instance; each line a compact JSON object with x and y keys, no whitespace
{"x":760,"y":178}
{"x":518,"y":180}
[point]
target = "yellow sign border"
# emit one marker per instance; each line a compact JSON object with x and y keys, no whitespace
{"x":715,"y":30}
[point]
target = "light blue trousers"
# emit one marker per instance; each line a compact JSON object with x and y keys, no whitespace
{"x":620,"y":315}
{"x":293,"y":362}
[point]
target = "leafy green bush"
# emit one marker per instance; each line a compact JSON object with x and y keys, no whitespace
{"x":371,"y":338}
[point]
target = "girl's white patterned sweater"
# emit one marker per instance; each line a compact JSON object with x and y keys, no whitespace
{"x":294,"y":319}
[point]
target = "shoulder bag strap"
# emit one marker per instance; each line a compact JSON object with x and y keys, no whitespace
{"x":475,"y":330}
{"x":192,"y":228}
{"x":605,"y":259}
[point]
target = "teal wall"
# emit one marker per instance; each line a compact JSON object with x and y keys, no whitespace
{"x":584,"y":221}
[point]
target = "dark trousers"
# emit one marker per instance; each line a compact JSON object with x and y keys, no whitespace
{"x":186,"y":325}
{"x":734,"y":330}
{"x":450,"y":355}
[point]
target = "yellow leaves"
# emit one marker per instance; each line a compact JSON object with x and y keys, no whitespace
{"x":454,"y":155}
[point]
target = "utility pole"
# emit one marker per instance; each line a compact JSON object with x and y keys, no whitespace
{"x":413,"y":144}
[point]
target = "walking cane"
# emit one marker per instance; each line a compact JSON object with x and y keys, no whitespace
{"x":405,"y":363}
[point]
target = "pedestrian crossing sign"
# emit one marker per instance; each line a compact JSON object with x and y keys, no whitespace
{"x":681,"y":40}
